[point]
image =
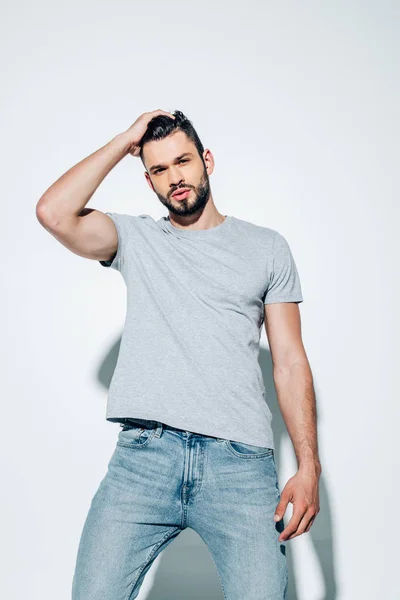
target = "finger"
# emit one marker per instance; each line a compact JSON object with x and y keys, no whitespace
{"x":294,"y":522}
{"x":162,"y":112}
{"x":310,"y":523}
{"x":306,"y":523}
{"x":303,"y":525}
{"x":281,"y":507}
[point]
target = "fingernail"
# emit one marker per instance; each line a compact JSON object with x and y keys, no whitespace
{"x":276,"y":517}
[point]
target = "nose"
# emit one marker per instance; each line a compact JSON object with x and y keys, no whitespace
{"x":175,"y":178}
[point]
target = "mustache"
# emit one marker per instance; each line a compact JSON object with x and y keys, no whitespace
{"x":183,"y":187}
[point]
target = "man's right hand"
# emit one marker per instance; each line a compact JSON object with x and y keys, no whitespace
{"x":136,"y":131}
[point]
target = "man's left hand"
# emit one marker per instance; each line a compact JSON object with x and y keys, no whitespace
{"x":302,"y":491}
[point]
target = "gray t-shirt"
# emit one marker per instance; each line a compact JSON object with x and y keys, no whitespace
{"x":195,"y":309}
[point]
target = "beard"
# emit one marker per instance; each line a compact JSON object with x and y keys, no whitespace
{"x":191,"y":205}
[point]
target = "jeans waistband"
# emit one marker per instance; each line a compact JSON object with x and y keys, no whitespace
{"x":160,"y":426}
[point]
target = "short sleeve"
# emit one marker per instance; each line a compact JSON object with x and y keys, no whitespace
{"x":118,"y":258}
{"x":284,"y":281}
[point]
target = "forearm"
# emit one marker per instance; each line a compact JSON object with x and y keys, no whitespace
{"x":296,"y":398}
{"x":67,"y":196}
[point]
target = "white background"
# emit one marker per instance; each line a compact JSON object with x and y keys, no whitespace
{"x":299,"y":104}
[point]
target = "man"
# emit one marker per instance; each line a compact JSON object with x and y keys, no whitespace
{"x":196,"y":447}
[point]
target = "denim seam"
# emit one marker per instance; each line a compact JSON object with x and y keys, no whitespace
{"x":269,"y":452}
{"x":220,"y":578}
{"x":146,"y":562}
{"x":135,"y":445}
{"x":201,"y":471}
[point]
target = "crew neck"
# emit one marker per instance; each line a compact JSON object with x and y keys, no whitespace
{"x":197,"y":232}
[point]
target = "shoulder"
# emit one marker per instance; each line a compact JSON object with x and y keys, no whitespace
{"x":260,"y":233}
{"x":132,"y":221}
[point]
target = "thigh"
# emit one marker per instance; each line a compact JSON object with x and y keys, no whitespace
{"x":131,"y":519}
{"x":233,"y":513}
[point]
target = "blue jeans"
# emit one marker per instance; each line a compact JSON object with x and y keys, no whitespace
{"x":161,"y":480}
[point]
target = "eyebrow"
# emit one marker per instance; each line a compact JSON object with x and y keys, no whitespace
{"x":177,"y":159}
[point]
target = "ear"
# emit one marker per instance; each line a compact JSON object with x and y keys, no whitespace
{"x":209,"y":161}
{"x":149,"y":180}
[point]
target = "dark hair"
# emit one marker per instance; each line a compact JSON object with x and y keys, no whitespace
{"x":161,"y":126}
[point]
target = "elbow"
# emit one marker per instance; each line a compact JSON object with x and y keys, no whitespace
{"x":41,"y":212}
{"x":44,"y":214}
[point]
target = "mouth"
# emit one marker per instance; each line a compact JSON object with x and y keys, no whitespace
{"x":181,"y":194}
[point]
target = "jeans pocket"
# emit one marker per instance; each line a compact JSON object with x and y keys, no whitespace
{"x":242,"y":450}
{"x":134,"y":435}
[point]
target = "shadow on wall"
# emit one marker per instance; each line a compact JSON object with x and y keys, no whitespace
{"x":185,"y":568}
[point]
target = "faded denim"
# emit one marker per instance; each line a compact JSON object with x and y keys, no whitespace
{"x":161,"y":480}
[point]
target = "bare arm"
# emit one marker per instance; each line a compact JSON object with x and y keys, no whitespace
{"x":61,"y":209}
{"x":66,"y":197}
{"x":293,"y":380}
{"x":294,"y":387}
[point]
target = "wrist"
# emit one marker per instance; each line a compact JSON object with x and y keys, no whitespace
{"x":310,"y":466}
{"x":123,"y":142}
